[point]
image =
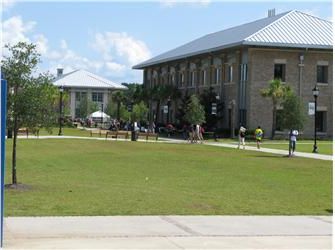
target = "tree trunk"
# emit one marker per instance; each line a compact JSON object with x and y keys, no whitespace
{"x":274,"y":124}
{"x":150,"y":113}
{"x":118,"y":111}
{"x":157,"y":111}
{"x":14,"y":179}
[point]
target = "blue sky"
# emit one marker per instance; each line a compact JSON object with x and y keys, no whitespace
{"x":109,"y":37}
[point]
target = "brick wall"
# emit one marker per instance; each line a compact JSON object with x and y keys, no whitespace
{"x":261,"y":69}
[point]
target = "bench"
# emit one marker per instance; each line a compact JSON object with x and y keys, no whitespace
{"x":26,"y":131}
{"x":99,"y":132}
{"x":23,"y":131}
{"x":116,"y":134}
{"x":147,"y":135}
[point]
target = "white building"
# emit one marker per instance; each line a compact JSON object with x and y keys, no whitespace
{"x":81,"y":84}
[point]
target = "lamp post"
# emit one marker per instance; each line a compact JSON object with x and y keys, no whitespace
{"x":168,"y":113}
{"x":316,"y":93}
{"x":102,"y":115}
{"x":61,"y":90}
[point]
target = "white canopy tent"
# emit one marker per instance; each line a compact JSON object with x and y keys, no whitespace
{"x":97,"y":115}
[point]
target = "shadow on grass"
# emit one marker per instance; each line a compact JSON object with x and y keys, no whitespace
{"x":329,"y":211}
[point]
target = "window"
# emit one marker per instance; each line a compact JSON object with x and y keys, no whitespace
{"x":204,"y":77}
{"x":229,"y":73}
{"x":193,"y":78}
{"x":321,"y":121}
{"x":217,"y":76}
{"x":97,"y":97}
{"x":279,"y":72}
{"x":80,"y":96}
{"x":243,"y":117}
{"x":173,"y":78}
{"x":182,"y":79}
{"x":322,"y":74}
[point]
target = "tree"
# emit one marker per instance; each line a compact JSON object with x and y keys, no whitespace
{"x":293,"y":116}
{"x":118,"y":97}
{"x":181,"y":112}
{"x":31,"y":100}
{"x":161,"y":93}
{"x":195,"y":113}
{"x":140,"y":112}
{"x":277,"y":92}
{"x":83,"y":107}
{"x":124,"y":114}
{"x":92,"y":107}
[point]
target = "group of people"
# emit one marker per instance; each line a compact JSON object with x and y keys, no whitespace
{"x":194,"y":133}
{"x":242,"y":133}
{"x":259,"y":135}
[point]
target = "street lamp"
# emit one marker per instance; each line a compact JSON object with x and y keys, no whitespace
{"x":168,"y":113}
{"x":316,"y":93}
{"x":102,"y":113}
{"x":61,"y":90}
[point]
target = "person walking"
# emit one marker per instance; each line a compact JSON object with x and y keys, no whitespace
{"x":292,"y":141}
{"x":258,"y":136}
{"x":241,"y":137}
{"x":201,"y":132}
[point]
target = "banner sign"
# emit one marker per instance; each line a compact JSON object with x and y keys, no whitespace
{"x":165,"y":109}
{"x":3,"y":101}
{"x":311,"y":108}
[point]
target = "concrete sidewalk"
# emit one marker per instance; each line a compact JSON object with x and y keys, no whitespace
{"x":169,"y":232}
{"x":275,"y":151}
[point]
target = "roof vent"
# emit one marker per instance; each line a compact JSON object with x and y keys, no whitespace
{"x":59,"y":72}
{"x":271,"y":12}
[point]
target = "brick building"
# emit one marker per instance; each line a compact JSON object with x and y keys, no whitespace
{"x":293,"y":46}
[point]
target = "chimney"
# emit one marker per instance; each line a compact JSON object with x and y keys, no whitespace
{"x":271,"y":12}
{"x":59,"y":72}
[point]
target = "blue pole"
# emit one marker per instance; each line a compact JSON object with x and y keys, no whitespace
{"x":3,"y":96}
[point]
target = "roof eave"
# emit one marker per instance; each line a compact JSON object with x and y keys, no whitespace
{"x":211,"y":50}
{"x":90,"y":87}
{"x":289,"y":45}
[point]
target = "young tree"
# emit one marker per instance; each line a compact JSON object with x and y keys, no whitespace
{"x":118,"y":97}
{"x":195,"y":113}
{"x":31,"y":100}
{"x":124,"y":114}
{"x":140,"y":112}
{"x":277,"y":92}
{"x":293,"y":115}
{"x":83,"y":107}
{"x":182,"y":108}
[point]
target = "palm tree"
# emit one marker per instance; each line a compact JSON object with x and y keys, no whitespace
{"x":277,"y":92}
{"x":118,"y":97}
{"x":161,"y":93}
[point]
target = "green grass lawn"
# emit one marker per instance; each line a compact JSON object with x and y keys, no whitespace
{"x":84,"y":177}
{"x":67,"y":132}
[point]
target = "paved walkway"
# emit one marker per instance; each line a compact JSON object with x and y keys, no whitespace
{"x":169,"y":232}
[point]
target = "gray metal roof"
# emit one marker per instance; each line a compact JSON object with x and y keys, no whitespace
{"x":85,"y":79}
{"x":290,"y":29}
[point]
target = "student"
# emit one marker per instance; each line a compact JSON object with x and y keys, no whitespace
{"x":202,"y":131}
{"x":241,"y":137}
{"x":258,"y":136}
{"x":293,"y":140}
